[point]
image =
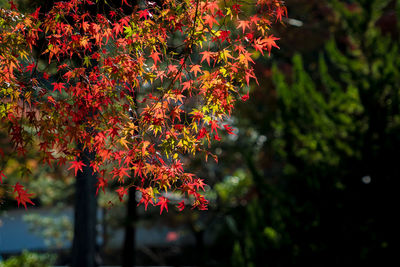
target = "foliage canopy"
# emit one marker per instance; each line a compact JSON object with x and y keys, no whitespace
{"x":139,"y":89}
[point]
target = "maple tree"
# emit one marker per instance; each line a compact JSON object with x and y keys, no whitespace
{"x":130,"y":88}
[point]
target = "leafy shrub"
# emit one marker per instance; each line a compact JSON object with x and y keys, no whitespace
{"x":29,"y":259}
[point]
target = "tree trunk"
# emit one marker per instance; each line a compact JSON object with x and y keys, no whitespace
{"x":128,"y":256}
{"x":128,"y":253}
{"x":84,"y":244}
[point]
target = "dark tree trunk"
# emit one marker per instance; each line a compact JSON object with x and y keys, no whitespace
{"x":84,"y":244}
{"x":128,"y":256}
{"x":199,"y":237}
{"x":128,"y":253}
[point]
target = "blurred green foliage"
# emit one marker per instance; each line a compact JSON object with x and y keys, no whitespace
{"x":319,"y":188}
{"x":29,"y":259}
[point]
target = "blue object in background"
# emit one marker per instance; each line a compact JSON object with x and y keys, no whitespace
{"x":15,"y":235}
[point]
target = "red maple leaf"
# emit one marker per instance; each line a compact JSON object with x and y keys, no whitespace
{"x":58,"y":86}
{"x":120,"y":173}
{"x":259,"y":45}
{"x":249,"y":74}
{"x":118,"y":28}
{"x":112,"y":14}
{"x":45,"y":76}
{"x":202,"y":133}
{"x":143,"y":14}
{"x":102,"y":183}
{"x":2,"y":176}
{"x":199,"y":183}
{"x":181,"y":205}
{"x":162,"y":202}
{"x":124,"y":2}
{"x":270,"y":42}
{"x":200,"y":202}
{"x":23,"y":196}
{"x":35,"y":15}
{"x":146,"y":197}
{"x":224,"y":35}
{"x":155,"y":56}
{"x":12,"y":5}
{"x":214,"y":126}
{"x":280,"y":11}
{"x":254,"y":19}
{"x":77,"y":165}
{"x":121,"y":192}
{"x":30,"y":67}
{"x":236,"y":8}
{"x":63,"y":66}
{"x":229,"y":129}
{"x":245,"y":97}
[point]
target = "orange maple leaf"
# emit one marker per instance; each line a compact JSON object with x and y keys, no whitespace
{"x":210,"y":20}
{"x":206,"y":56}
{"x":243,"y":24}
{"x":196,"y":69}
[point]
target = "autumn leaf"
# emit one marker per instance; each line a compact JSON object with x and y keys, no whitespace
{"x":45,"y":76}
{"x":202,"y":133}
{"x":181,"y":205}
{"x":121,"y":192}
{"x":147,"y":197}
{"x":143,"y":14}
{"x":30,"y":67}
{"x":210,"y":20}
{"x":35,"y":15}
{"x":155,"y":56}
{"x":214,"y":126}
{"x":198,"y":183}
{"x":259,"y":45}
{"x":206,"y":56}
{"x":2,"y":175}
{"x":124,"y":2}
{"x":22,"y":195}
{"x":119,"y":172}
{"x":101,"y":183}
{"x":216,"y":137}
{"x":163,"y":203}
{"x":58,"y":86}
{"x":196,"y":69}
{"x":76,"y":165}
{"x":229,"y":129}
{"x":270,"y":42}
{"x":13,"y":6}
{"x":243,"y":24}
{"x":280,"y":12}
{"x":245,"y":97}
{"x":212,"y":6}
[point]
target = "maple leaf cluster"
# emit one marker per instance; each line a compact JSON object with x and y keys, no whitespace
{"x":140,"y":90}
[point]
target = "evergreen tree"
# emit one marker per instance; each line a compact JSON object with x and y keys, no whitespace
{"x":323,"y":181}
